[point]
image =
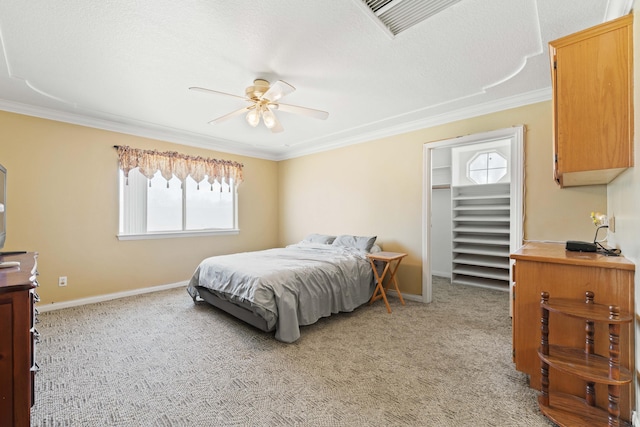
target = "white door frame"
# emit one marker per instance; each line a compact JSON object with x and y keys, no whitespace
{"x":516,"y":134}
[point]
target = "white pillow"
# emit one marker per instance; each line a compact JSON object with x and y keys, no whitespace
{"x":375,"y":249}
{"x":319,"y":238}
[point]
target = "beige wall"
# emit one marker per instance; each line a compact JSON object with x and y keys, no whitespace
{"x":375,"y":188}
{"x":63,"y":203}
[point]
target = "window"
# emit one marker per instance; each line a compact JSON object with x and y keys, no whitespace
{"x":157,"y":207}
{"x":487,"y":168}
{"x":166,"y":194}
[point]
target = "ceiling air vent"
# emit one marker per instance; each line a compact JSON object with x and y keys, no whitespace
{"x":398,"y":15}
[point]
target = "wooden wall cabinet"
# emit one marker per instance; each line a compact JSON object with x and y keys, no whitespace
{"x":17,"y":340}
{"x":592,"y":83}
{"x":549,"y":267}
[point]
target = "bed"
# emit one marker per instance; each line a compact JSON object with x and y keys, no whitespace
{"x":282,"y":289}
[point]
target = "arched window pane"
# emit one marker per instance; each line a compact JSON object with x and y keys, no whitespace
{"x":479,"y":163}
{"x":494,"y":175}
{"x":479,"y":176}
{"x":496,"y":160}
{"x":487,"y":168}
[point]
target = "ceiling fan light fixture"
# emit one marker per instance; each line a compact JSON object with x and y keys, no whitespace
{"x":253,"y":117}
{"x":263,"y":99}
{"x":269,"y":118}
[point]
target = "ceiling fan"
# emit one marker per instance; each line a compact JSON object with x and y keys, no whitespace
{"x":263,"y":99}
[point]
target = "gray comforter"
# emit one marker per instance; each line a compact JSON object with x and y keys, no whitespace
{"x":291,"y":286}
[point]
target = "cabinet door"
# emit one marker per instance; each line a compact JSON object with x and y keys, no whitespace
{"x":592,"y":79}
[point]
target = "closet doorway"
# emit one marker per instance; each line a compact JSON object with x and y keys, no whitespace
{"x":473,"y":208}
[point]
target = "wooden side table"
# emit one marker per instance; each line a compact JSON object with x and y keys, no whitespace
{"x":388,"y":258}
{"x":550,"y":267}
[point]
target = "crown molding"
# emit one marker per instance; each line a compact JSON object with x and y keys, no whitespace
{"x":489,"y":107}
{"x":617,"y":8}
{"x":141,"y":130}
{"x":200,"y":141}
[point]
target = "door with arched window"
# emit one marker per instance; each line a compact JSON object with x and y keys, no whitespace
{"x":474,"y":208}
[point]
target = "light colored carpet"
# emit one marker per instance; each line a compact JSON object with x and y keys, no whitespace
{"x":161,"y":360}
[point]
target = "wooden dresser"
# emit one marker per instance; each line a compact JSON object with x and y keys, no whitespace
{"x":18,"y":337}
{"x":548,"y":267}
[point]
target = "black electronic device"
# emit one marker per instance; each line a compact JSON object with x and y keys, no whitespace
{"x":7,"y":253}
{"x":576,"y":246}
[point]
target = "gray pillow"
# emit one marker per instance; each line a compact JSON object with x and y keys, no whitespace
{"x":364,"y":243}
{"x":319,"y":238}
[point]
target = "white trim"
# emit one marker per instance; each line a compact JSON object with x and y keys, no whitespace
{"x":42,"y":308}
{"x":517,"y":187}
{"x":516,"y":134}
{"x":338,"y":140}
{"x":617,"y":9}
{"x":428,"y":122}
{"x":173,"y":234}
{"x":101,"y":298}
{"x":427,"y":284}
{"x":441,"y":274}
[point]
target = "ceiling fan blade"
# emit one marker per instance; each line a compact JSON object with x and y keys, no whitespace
{"x":231,"y":114}
{"x":309,"y":112}
{"x":277,"y":127}
{"x":205,"y":90}
{"x":278,"y":90}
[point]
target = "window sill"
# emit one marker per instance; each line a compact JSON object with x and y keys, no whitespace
{"x":174,"y":234}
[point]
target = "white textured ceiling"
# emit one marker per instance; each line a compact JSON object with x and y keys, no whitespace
{"x":127,"y":65}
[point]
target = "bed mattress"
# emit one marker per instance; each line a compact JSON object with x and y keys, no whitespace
{"x":289,"y":287}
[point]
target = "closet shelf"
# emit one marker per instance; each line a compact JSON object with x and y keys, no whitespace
{"x":486,"y":207}
{"x":483,"y":197}
{"x":498,"y":188}
{"x":487,"y":229}
{"x":481,"y":235}
{"x":482,"y":240}
{"x":482,"y":261}
{"x":479,"y":282}
{"x":482,"y":250}
{"x":487,"y":218}
{"x":484,"y":272}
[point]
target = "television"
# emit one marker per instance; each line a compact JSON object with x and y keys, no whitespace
{"x":3,"y":205}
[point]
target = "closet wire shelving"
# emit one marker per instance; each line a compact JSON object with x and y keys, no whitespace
{"x":481,"y":235}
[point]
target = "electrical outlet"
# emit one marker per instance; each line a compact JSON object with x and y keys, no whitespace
{"x":612,"y":224}
{"x":62,"y":281}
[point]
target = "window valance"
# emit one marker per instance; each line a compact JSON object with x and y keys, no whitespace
{"x":171,"y":163}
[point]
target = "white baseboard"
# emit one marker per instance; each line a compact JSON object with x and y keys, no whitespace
{"x":635,"y":419}
{"x":100,"y":298}
{"x":445,"y":274}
